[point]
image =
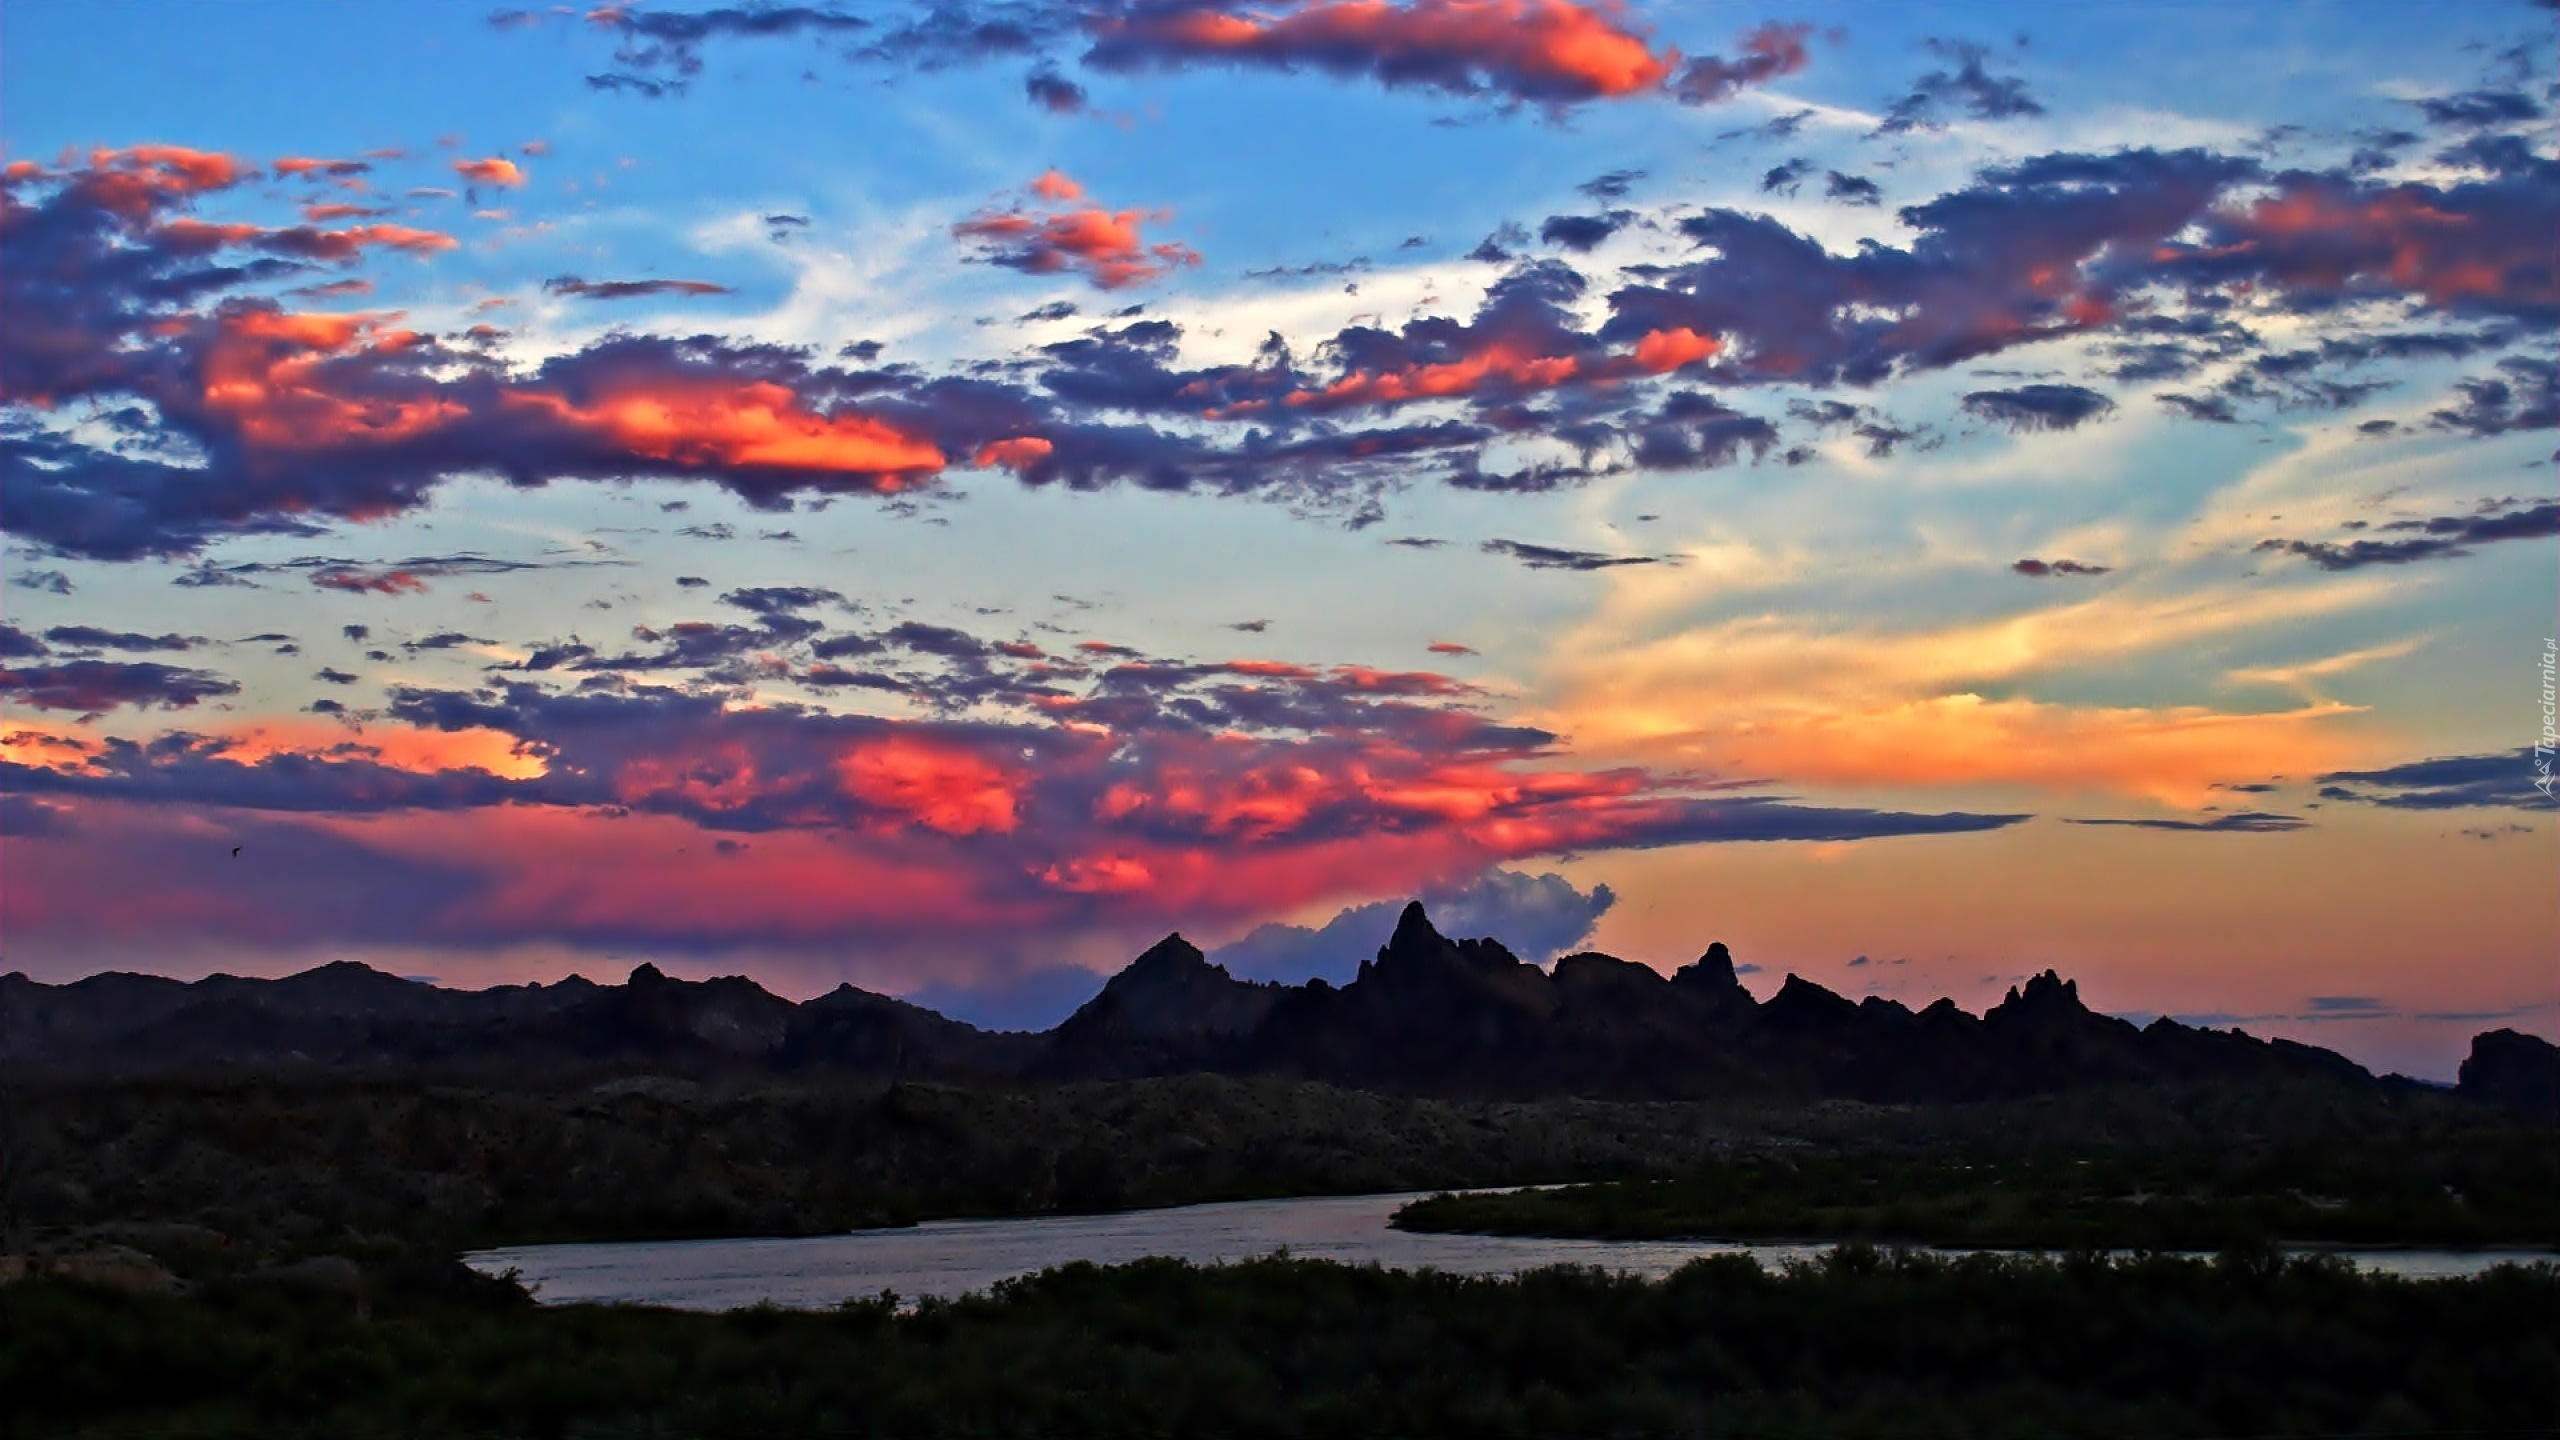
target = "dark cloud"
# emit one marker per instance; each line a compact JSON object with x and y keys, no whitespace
{"x":2212,"y":408}
{"x":1691,"y":430}
{"x":1784,"y":177}
{"x":2527,"y":398}
{"x":17,"y":644}
{"x":2025,"y":253}
{"x":2479,"y":109}
{"x":2512,"y":779}
{"x":2250,"y":822}
{"x":1499,"y":247}
{"x":775,"y":600}
{"x":1851,"y":189}
{"x":2347,"y":1007}
{"x":667,"y":44}
{"x":2442,"y":537}
{"x":51,"y":582}
{"x":1969,"y":89}
{"x":1776,"y":127}
{"x":2041,"y":568}
{"x":90,"y":637}
{"x":1579,"y":233}
{"x":2039,"y":407}
{"x":571,"y":285}
{"x":1054,"y":92}
{"x":1550,"y":557}
{"x":1766,"y":53}
{"x":94,"y":686}
{"x":1613,"y":185}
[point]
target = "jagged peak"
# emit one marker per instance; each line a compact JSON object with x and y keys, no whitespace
{"x":2044,"y":992}
{"x":1712,"y":971}
{"x":1171,"y":951}
{"x":1413,"y":931}
{"x":645,"y":973}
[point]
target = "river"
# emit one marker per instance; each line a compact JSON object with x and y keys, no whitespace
{"x":950,"y":1258}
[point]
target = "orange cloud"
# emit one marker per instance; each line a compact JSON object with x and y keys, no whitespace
{"x":2175,"y":755}
{"x":135,"y":181}
{"x":1017,"y":453}
{"x":1662,"y":351}
{"x":1108,"y":246}
{"x":758,"y":425}
{"x":400,"y":747}
{"x":496,"y":170}
{"x":940,"y":787}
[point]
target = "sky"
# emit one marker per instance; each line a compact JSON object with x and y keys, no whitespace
{"x":935,"y":496}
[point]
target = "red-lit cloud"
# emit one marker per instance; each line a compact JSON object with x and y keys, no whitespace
{"x":1109,"y":247}
{"x":496,"y":170}
{"x":1153,"y":792}
{"x":1553,"y":51}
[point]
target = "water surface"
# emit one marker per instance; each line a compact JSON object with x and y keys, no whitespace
{"x":950,"y":1258}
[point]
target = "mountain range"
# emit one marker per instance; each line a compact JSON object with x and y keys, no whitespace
{"x":1428,"y":1015}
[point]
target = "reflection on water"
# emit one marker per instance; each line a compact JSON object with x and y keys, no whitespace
{"x":950,"y":1258}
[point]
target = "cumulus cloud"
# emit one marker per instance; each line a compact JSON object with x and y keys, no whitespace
{"x":1538,"y":917}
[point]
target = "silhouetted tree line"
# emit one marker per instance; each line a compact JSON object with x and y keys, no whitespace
{"x":1862,"y":1342}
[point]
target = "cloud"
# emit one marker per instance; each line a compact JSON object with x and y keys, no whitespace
{"x":2480,"y":109}
{"x":1553,"y":52}
{"x":1580,"y":233}
{"x":1969,"y":88}
{"x":1611,"y":185}
{"x":2508,"y":779}
{"x":2528,"y":399}
{"x":1851,"y":189}
{"x":1151,"y":792}
{"x":1105,"y":246}
{"x":2039,"y":407}
{"x":1783,"y":177}
{"x":1550,"y":557}
{"x":1767,"y":53}
{"x":2441,"y":537}
{"x":1054,"y":92}
{"x":96,"y":686}
{"x":91,"y":637}
{"x":1537,"y":917}
{"x":2041,"y":568}
{"x":2347,"y":1007}
{"x":629,"y":289}
{"x":2244,"y":823}
{"x":2210,"y":408}
{"x":495,"y":170}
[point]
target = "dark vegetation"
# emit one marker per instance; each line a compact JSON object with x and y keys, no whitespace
{"x":2485,"y":1185}
{"x":1860,"y":1343}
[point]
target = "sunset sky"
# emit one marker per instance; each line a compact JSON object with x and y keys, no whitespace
{"x":936,"y":496}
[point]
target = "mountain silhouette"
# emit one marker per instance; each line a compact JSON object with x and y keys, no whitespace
{"x":1426,"y":1015}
